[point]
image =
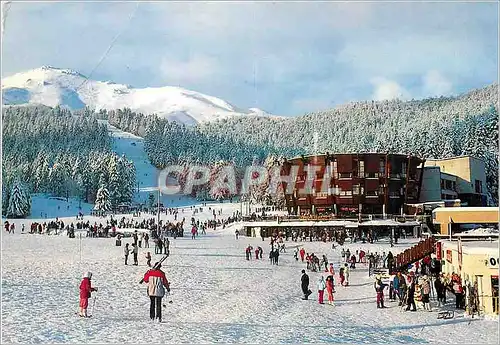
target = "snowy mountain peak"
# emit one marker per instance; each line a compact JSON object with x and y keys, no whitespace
{"x":54,"y":86}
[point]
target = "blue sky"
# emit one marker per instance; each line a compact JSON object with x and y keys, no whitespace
{"x":285,"y":58}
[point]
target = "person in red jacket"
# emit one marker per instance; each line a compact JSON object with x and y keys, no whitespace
{"x":85,"y":293}
{"x":302,"y":252}
{"x":157,"y":284}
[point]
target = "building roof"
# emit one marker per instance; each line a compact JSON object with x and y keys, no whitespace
{"x":452,"y":158}
{"x":353,"y":153}
{"x":466,"y":209}
{"x":344,"y":223}
{"x":473,"y":247}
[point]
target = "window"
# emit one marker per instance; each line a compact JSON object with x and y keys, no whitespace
{"x":442,"y":184}
{"x":371,"y":193}
{"x":335,"y":173}
{"x":361,"y":169}
{"x":355,"y":189}
{"x":443,"y":197}
{"x":345,"y":193}
{"x":404,"y":166}
{"x":321,"y":195}
{"x":345,"y":175}
{"x":382,"y":166}
{"x":448,"y":185}
{"x":372,"y":175}
{"x":479,"y":187}
{"x":381,"y":189}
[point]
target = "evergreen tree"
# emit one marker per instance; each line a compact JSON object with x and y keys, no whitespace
{"x":102,"y":202}
{"x":19,"y":202}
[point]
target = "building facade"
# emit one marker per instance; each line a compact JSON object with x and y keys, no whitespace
{"x":347,"y":184}
{"x":461,"y":178}
{"x":474,"y":262}
{"x":449,"y":219}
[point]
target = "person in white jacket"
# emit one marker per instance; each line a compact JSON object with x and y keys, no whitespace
{"x":321,"y":289}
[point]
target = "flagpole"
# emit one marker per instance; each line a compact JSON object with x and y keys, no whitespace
{"x":158,"y":225}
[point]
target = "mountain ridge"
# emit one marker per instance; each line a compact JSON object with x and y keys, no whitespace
{"x":52,"y":86}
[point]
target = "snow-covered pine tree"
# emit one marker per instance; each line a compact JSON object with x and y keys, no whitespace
{"x":19,"y":201}
{"x":5,"y":198}
{"x":151,"y":200}
{"x":116,"y":181}
{"x":128,"y":176}
{"x":102,"y":202}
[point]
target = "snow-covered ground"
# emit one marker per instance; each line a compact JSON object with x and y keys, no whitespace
{"x":46,"y":207}
{"x":217,"y":296}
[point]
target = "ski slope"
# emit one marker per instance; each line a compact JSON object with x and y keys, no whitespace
{"x":217,"y":296}
{"x":147,"y":174}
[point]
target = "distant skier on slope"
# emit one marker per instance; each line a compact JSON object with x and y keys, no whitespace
{"x":321,"y":289}
{"x":305,"y":285}
{"x":379,"y":288}
{"x":85,"y":293}
{"x":330,"y":288}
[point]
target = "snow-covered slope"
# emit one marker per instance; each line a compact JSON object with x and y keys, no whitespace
{"x":54,"y":86}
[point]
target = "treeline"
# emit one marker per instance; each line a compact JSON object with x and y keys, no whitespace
{"x":169,"y":142}
{"x":51,"y":150}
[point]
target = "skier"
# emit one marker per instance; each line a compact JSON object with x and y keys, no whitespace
{"x":157,"y":284}
{"x":331,"y":270}
{"x":440,"y":291}
{"x":341,"y":276}
{"x":146,"y":241}
{"x":305,"y":285}
{"x":126,"y":251}
{"x":325,"y":262}
{"x":248,"y":252}
{"x":330,"y":288}
{"x":321,"y":289}
{"x":260,"y":252}
{"x":296,"y":254}
{"x":135,"y":251}
{"x":302,"y":253}
{"x":257,"y":253}
{"x":276,"y":256}
{"x":237,"y":233}
{"x":85,"y":293}
{"x":148,"y":258}
{"x":426,"y":289}
{"x":346,"y":274}
{"x":379,"y":288}
{"x":193,"y":233}
{"x":166,"y":246}
{"x":353,"y":261}
{"x":410,"y":296}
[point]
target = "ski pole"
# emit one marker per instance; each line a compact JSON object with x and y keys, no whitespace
{"x":93,"y":305}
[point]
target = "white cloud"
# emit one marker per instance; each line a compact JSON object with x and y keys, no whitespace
{"x":386,"y":89}
{"x":435,"y":84}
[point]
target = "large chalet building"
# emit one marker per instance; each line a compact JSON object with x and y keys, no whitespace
{"x":368,"y":183}
{"x":379,"y":184}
